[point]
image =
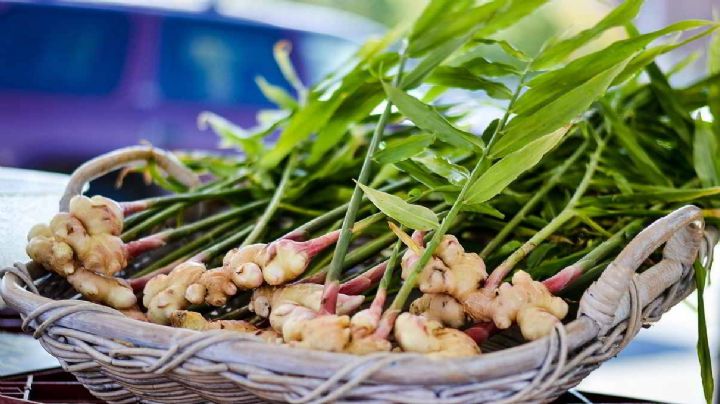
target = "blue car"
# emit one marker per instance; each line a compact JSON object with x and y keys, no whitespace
{"x":79,"y":78}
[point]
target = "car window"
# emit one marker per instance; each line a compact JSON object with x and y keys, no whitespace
{"x":61,"y":50}
{"x":217,"y":62}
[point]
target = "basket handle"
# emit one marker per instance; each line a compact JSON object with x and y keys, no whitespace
{"x":681,"y":230}
{"x":119,"y":158}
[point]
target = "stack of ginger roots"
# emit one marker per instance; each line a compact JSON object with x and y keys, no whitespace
{"x":83,"y":246}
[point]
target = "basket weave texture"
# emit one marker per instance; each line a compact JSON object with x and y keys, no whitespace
{"x":122,"y":360}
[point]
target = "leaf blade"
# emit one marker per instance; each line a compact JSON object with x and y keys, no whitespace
{"x":501,"y":174}
{"x":412,"y":216}
{"x":524,"y":128}
{"x":402,"y":149}
{"x":426,"y":118}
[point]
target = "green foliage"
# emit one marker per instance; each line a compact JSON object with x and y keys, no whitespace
{"x":619,"y":16}
{"x":428,"y":119}
{"x":703,"y":346}
{"x":402,"y":149}
{"x":512,"y":177}
{"x":413,"y":216}
{"x":509,"y":168}
{"x":528,"y":126}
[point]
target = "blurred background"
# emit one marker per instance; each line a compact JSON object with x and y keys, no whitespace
{"x":79,"y":78}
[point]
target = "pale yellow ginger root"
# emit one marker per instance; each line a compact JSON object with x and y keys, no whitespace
{"x":195,"y":321}
{"x":293,"y":311}
{"x":266,"y":299}
{"x":85,"y":237}
{"x":103,"y":289}
{"x":217,"y":284}
{"x":99,"y":215}
{"x":327,"y":332}
{"x":282,"y":262}
{"x":420,"y":334}
{"x":363,"y":339}
{"x":527,"y":302}
{"x":468,"y":269}
{"x":451,"y":270}
{"x":440,"y":307}
{"x":52,"y":254}
{"x":288,"y":320}
{"x":164,"y":294}
{"x":243,"y":263}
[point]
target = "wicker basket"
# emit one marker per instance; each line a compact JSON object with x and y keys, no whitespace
{"x":124,"y":360}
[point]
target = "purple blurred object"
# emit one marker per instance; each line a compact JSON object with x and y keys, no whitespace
{"x":78,"y":79}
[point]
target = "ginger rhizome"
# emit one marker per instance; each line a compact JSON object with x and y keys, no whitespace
{"x":525,"y":301}
{"x":83,"y":246}
{"x":451,"y":270}
{"x":294,"y":312}
{"x":251,"y":266}
{"x":244,"y":268}
{"x":165,"y":294}
{"x":452,"y":283}
{"x":419,"y":334}
{"x":195,"y":321}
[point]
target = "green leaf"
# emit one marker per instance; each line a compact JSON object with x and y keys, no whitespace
{"x":434,"y":11}
{"x":412,"y":216}
{"x":510,"y":15}
{"x":504,"y":172}
{"x":506,"y":46}
{"x":548,"y":86}
{"x":276,"y":94}
{"x":426,"y":118}
{"x":352,"y":110}
{"x":281,"y":51}
{"x":452,"y":23}
{"x":537,"y":256}
{"x":483,"y":209}
{"x":401,"y":149}
{"x":680,"y":119}
{"x":457,"y":175}
{"x":627,"y":137}
{"x":705,"y":154}
{"x":461,"y":77}
{"x":525,"y":128}
{"x":665,"y":194}
{"x":619,"y":16}
{"x":703,"y":346}
{"x":649,"y":55}
{"x":233,"y":135}
{"x":415,"y":77}
{"x":483,"y":67}
{"x":302,"y":124}
{"x":713,"y":58}
{"x":421,"y":174}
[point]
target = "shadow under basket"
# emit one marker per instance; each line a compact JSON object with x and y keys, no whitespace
{"x":122,"y":360}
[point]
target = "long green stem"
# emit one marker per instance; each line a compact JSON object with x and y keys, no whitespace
{"x":532,"y":202}
{"x":566,"y":214}
{"x":358,"y":255}
{"x":392,"y":263}
{"x":409,"y":284}
{"x":336,"y":213}
{"x":137,"y":223}
{"x":186,"y":197}
{"x":190,"y":228}
{"x":187,"y":249}
{"x":332,"y":281}
{"x":267,"y":215}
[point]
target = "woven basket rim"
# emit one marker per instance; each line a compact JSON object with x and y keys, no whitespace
{"x":601,"y":307}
